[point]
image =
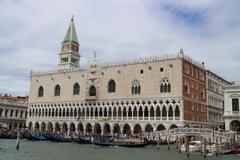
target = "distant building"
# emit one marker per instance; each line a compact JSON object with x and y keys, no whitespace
{"x":231,"y":108}
{"x":146,"y":94}
{"x":13,"y":111}
{"x":215,"y":99}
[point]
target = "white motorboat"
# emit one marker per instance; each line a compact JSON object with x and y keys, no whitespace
{"x":194,"y":146}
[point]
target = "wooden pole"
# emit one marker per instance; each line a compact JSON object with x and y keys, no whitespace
{"x":210,"y":145}
{"x":168,"y":139}
{"x":187,"y":142}
{"x":18,"y":140}
{"x":204,"y":149}
{"x":216,"y":145}
{"x":177,"y":142}
{"x":220,"y":144}
{"x":180,"y":145}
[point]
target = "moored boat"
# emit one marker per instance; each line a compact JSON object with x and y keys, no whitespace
{"x":236,"y":150}
{"x":194,"y":146}
{"x":34,"y":137}
{"x":82,"y":140}
{"x":121,"y":143}
{"x":8,"y":136}
{"x":59,"y":138}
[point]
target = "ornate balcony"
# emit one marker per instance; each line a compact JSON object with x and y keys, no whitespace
{"x":91,"y":98}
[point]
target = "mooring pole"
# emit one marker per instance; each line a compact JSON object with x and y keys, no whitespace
{"x":216,"y":145}
{"x":180,"y":145}
{"x":187,"y":142}
{"x":210,"y":145}
{"x":168,"y":139}
{"x":177,"y":142}
{"x":205,"y":148}
{"x":18,"y":140}
{"x":220,"y":144}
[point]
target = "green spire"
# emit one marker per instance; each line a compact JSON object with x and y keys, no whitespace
{"x":71,"y":34}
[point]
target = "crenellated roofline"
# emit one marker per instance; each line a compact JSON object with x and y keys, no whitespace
{"x":124,"y":63}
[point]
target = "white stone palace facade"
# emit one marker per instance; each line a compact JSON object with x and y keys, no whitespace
{"x":231,"y":108}
{"x":146,"y":94}
{"x":13,"y":112}
{"x":215,"y":99}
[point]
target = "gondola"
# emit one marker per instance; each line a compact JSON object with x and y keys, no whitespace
{"x":37,"y":137}
{"x":8,"y":136}
{"x":59,"y":138}
{"x":82,"y":140}
{"x":127,"y":144}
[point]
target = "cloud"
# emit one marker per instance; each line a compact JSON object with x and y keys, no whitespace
{"x":31,"y":33}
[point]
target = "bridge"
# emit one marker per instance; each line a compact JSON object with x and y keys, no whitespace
{"x":202,"y":133}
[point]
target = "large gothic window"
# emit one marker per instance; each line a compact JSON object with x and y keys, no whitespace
{"x":136,"y":88}
{"x":92,"y":91}
{"x":76,"y":89}
{"x":40,"y":91}
{"x":235,"y":104}
{"x":165,"y":86}
{"x":111,"y":86}
{"x":186,"y":87}
{"x":177,"y":112}
{"x":57,"y":90}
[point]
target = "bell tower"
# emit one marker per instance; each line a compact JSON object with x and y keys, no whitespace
{"x":69,"y":57}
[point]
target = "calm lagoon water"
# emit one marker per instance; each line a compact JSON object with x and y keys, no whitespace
{"x":72,"y":151}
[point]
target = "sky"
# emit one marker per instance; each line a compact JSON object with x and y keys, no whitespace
{"x":31,"y":33}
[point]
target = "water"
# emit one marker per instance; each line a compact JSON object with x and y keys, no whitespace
{"x":72,"y":151}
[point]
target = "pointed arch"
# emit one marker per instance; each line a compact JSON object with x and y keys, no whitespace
{"x":65,"y":127}
{"x":161,"y":127}
{"x":127,"y":129}
{"x":109,"y":112}
{"x":111,"y":86}
{"x":136,"y":87}
{"x":114,"y":112}
{"x":88,"y":128}
{"x":57,"y":90}
{"x":116,"y":129}
{"x":151,"y":111}
{"x":92,"y":91}
{"x":135,"y":111}
{"x":76,"y":89}
{"x":57,"y":127}
{"x":124,"y":112}
{"x":140,"y":112}
{"x":173,"y":126}
{"x":40,"y":91}
{"x":170,"y":111}
{"x":129,"y":112}
{"x":80,"y":128}
{"x":119,"y":112}
{"x":177,"y":112}
{"x":105,"y":112}
{"x":91,"y":112}
{"x":137,"y":129}
{"x":146,"y":111}
{"x":164,"y":112}
{"x":148,"y":128}
{"x":72,"y":127}
{"x":165,"y":85}
{"x":107,"y":129}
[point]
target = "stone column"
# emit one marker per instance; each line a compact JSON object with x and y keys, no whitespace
{"x":154,"y":112}
{"x":174,"y":113}
{"x":149,"y":114}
